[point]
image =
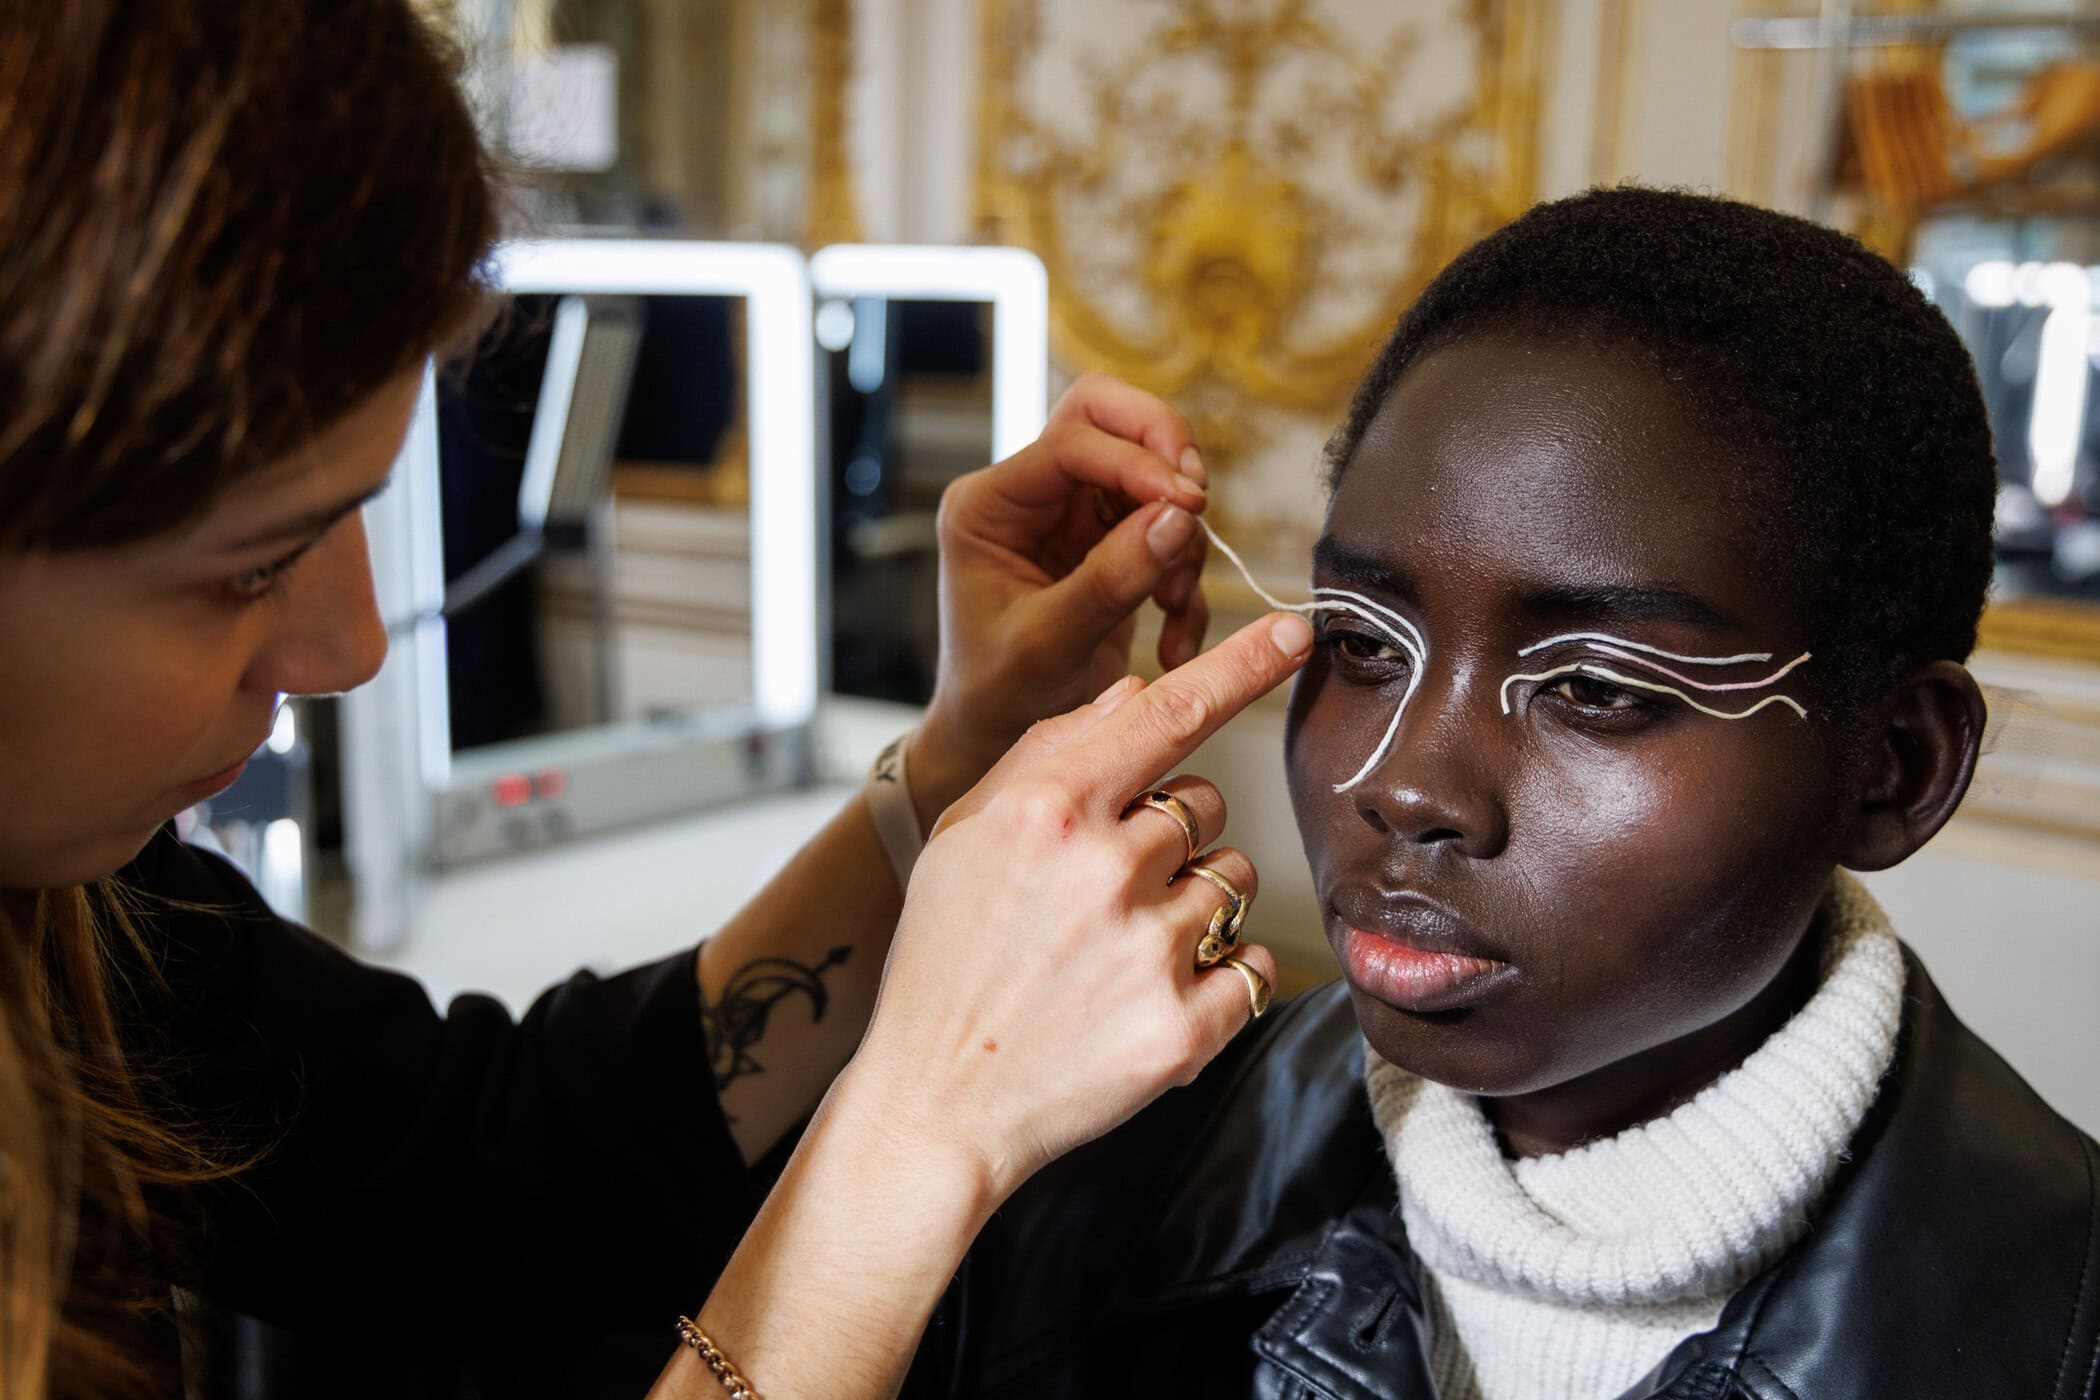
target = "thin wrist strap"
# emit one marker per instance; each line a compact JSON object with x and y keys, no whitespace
{"x":889,"y":804}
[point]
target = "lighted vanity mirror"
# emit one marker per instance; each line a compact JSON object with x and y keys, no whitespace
{"x":932,"y":363}
{"x":600,"y":560}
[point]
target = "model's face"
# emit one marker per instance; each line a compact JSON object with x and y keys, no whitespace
{"x":139,"y":679}
{"x":1543,"y":878}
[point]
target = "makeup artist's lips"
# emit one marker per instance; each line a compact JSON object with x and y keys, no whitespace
{"x":216,"y":783}
{"x":1413,"y":954}
{"x":220,"y":781}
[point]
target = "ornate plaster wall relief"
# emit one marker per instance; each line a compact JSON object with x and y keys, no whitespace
{"x":1236,"y":198}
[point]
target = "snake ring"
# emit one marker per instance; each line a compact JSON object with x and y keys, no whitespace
{"x":1225,"y":921}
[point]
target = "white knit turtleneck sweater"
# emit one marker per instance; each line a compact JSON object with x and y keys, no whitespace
{"x":1571,"y":1276}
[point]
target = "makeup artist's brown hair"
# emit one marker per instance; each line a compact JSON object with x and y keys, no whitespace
{"x":223,"y":224}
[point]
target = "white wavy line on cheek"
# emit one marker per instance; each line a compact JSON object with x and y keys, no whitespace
{"x":1385,"y":744}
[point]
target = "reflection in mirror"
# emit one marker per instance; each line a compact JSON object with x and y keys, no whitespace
{"x":933,"y":362}
{"x":2017,"y":270}
{"x":597,"y":541}
{"x":2030,"y":326}
{"x":599,"y":568}
{"x":910,"y":397}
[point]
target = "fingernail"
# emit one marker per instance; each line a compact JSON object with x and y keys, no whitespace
{"x":1192,"y":466}
{"x":1118,"y":690}
{"x":1176,"y":590}
{"x":1170,"y":532}
{"x":1292,"y":634}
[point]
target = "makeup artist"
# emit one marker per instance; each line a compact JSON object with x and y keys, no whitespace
{"x":231,"y":233}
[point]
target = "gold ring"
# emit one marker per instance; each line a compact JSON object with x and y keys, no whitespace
{"x":1225,"y":921}
{"x":1257,"y":987}
{"x":1164,"y":801}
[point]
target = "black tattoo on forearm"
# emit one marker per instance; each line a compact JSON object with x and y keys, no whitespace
{"x":736,"y":1021}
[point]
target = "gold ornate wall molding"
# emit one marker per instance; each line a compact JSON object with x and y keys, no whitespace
{"x":1236,"y":198}
{"x":1618,"y":70}
{"x":833,"y":215}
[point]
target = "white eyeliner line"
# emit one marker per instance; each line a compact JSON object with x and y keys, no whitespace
{"x":1644,"y":647}
{"x":1787,"y":700}
{"x":1567,"y":670}
{"x":1412,"y":646}
{"x":1593,"y":669}
{"x":1703,"y":685}
{"x":1385,"y":744}
{"x":1393,"y":619}
{"x":1377,"y":614}
{"x":1342,"y":600}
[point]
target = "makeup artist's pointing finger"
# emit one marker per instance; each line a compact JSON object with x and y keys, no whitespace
{"x":1154,"y":730}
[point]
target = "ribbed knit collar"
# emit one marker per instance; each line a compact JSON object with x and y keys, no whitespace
{"x":1684,"y":1206}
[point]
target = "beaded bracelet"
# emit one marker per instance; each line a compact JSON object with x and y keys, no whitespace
{"x":725,"y":1370}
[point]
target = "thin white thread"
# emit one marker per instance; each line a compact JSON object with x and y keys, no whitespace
{"x":1591,"y":668}
{"x":1409,"y":638}
{"x":1404,"y":635}
{"x":1643,"y":646}
{"x":1703,"y":685}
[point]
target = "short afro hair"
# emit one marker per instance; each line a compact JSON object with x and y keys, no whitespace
{"x":1860,"y":429}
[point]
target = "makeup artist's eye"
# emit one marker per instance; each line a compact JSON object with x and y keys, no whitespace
{"x":260,"y":582}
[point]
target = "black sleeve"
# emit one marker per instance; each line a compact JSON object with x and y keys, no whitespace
{"x":434,"y":1172}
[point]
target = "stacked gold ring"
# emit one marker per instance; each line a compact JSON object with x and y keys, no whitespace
{"x":1161,"y":800}
{"x":1257,"y":986}
{"x":1222,"y":934}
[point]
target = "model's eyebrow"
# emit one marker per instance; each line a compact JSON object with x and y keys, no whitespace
{"x":1625,"y":603}
{"x":1335,"y":560}
{"x":311,"y":525}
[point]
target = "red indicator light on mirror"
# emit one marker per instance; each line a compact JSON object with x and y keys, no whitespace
{"x":512,"y":790}
{"x":549,"y":782}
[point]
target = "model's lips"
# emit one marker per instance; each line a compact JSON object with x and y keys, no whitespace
{"x":1409,"y":952}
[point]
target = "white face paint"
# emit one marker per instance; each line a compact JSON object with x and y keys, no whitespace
{"x":1405,"y":635}
{"x":1651,"y":658}
{"x":1382,"y":619}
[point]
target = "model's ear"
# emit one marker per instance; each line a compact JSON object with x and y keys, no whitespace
{"x":1916,"y":765}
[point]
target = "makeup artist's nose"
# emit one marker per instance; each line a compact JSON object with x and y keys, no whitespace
{"x":328,"y":636}
{"x":1437,"y":786}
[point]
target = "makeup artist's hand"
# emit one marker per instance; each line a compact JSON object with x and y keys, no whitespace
{"x":1044,"y":563}
{"x":1043,"y":986}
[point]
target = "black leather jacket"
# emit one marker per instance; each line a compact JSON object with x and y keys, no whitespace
{"x":1242,"y":1238}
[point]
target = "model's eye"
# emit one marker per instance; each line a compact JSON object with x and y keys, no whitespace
{"x":1592,"y":694}
{"x":1365,"y":653}
{"x":1357,"y":647}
